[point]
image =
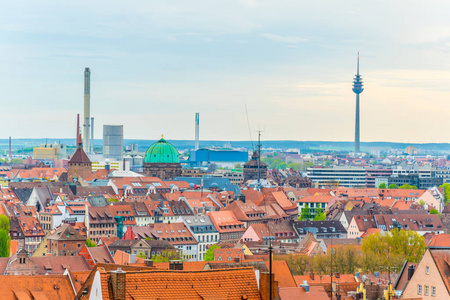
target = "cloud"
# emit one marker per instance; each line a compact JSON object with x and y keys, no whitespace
{"x":285,"y":39}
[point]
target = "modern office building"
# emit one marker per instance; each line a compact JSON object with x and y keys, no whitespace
{"x":345,"y":176}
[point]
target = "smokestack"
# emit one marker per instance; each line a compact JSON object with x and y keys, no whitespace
{"x":10,"y":155}
{"x":87,"y":109}
{"x":92,"y":135}
{"x":197,"y":125}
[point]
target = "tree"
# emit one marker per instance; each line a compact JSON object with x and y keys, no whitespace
{"x":408,"y":187}
{"x":238,"y":166}
{"x":393,"y":186}
{"x":434,"y":211}
{"x":320,"y":215}
{"x":5,"y":243}
{"x":4,"y":223}
{"x":305,"y":214}
{"x":166,"y":256}
{"x":382,"y":185}
{"x":141,"y":255}
{"x":209,"y":255}
{"x":5,"y":239}
{"x":113,"y":200}
{"x":327,"y":163}
{"x":392,"y":248}
{"x":446,"y":188}
{"x":90,"y":243}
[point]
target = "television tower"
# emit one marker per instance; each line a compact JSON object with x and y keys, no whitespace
{"x":357,"y":89}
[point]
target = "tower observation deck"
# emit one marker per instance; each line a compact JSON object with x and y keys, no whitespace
{"x":357,"y":89}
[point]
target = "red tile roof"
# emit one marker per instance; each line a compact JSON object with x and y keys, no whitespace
{"x":36,"y":287}
{"x":224,"y":284}
{"x":282,"y":273}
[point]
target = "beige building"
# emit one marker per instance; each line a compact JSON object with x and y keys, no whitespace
{"x":50,"y":151}
{"x":431,"y":277}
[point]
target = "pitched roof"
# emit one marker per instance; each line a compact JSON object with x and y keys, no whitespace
{"x":60,"y":263}
{"x":211,"y":284}
{"x":79,"y":157}
{"x":101,"y":254}
{"x":36,"y":287}
{"x":282,"y":273}
{"x":66,"y":233}
{"x":440,"y":240}
{"x":441,"y":257}
{"x":299,"y":293}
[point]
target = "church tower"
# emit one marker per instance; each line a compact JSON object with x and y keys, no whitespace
{"x":79,"y":166}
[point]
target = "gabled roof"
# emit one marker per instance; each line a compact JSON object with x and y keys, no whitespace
{"x":440,"y":241}
{"x":66,"y":233}
{"x":80,"y":157}
{"x":282,"y":273}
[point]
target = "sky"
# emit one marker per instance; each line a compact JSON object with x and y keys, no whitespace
{"x":287,"y":65}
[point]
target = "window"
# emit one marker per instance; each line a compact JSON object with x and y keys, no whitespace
{"x":426,"y":290}
{"x":427,"y":270}
{"x":433,"y":291}
{"x":419,"y":289}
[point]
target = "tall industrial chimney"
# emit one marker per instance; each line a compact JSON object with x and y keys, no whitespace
{"x":197,"y":125}
{"x":87,"y":109}
{"x":92,"y":135}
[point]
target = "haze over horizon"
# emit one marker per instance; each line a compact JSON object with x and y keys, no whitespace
{"x":290,"y":62}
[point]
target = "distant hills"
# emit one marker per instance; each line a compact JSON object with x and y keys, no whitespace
{"x":282,"y":145}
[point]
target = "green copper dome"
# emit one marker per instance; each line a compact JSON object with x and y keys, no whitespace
{"x":162,"y":152}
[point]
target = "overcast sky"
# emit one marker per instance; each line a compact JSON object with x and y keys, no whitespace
{"x":291,"y":63}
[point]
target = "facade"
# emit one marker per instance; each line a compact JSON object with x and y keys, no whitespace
{"x":66,"y":241}
{"x":204,"y":232}
{"x":180,"y":237}
{"x":430,"y":279}
{"x":113,"y":141}
{"x":162,"y":160}
{"x":251,"y":168}
{"x":131,"y":247}
{"x":228,"y":226}
{"x":50,"y":151}
{"x":32,"y":232}
{"x":221,"y":157}
{"x":320,"y":229}
{"x":416,"y":180}
{"x":100,"y":223}
{"x":345,"y":176}
{"x":313,"y":203}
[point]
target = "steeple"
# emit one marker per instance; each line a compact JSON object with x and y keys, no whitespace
{"x":78,"y":137}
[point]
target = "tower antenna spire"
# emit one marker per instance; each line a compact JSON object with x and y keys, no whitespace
{"x":357,"y":71}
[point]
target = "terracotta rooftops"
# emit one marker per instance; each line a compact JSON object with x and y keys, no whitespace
{"x":239,"y":283}
{"x":36,"y":287}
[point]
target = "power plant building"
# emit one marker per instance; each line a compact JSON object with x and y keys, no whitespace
{"x":113,"y":141}
{"x":224,"y":157}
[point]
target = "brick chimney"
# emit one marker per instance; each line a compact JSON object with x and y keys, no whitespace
{"x":264,"y":287}
{"x":118,"y":281}
{"x":176,"y":265}
{"x":148,"y":263}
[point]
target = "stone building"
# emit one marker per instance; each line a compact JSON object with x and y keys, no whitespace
{"x":79,"y":166}
{"x":251,"y":168}
{"x":162,"y":160}
{"x":446,"y":218}
{"x":66,"y":241}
